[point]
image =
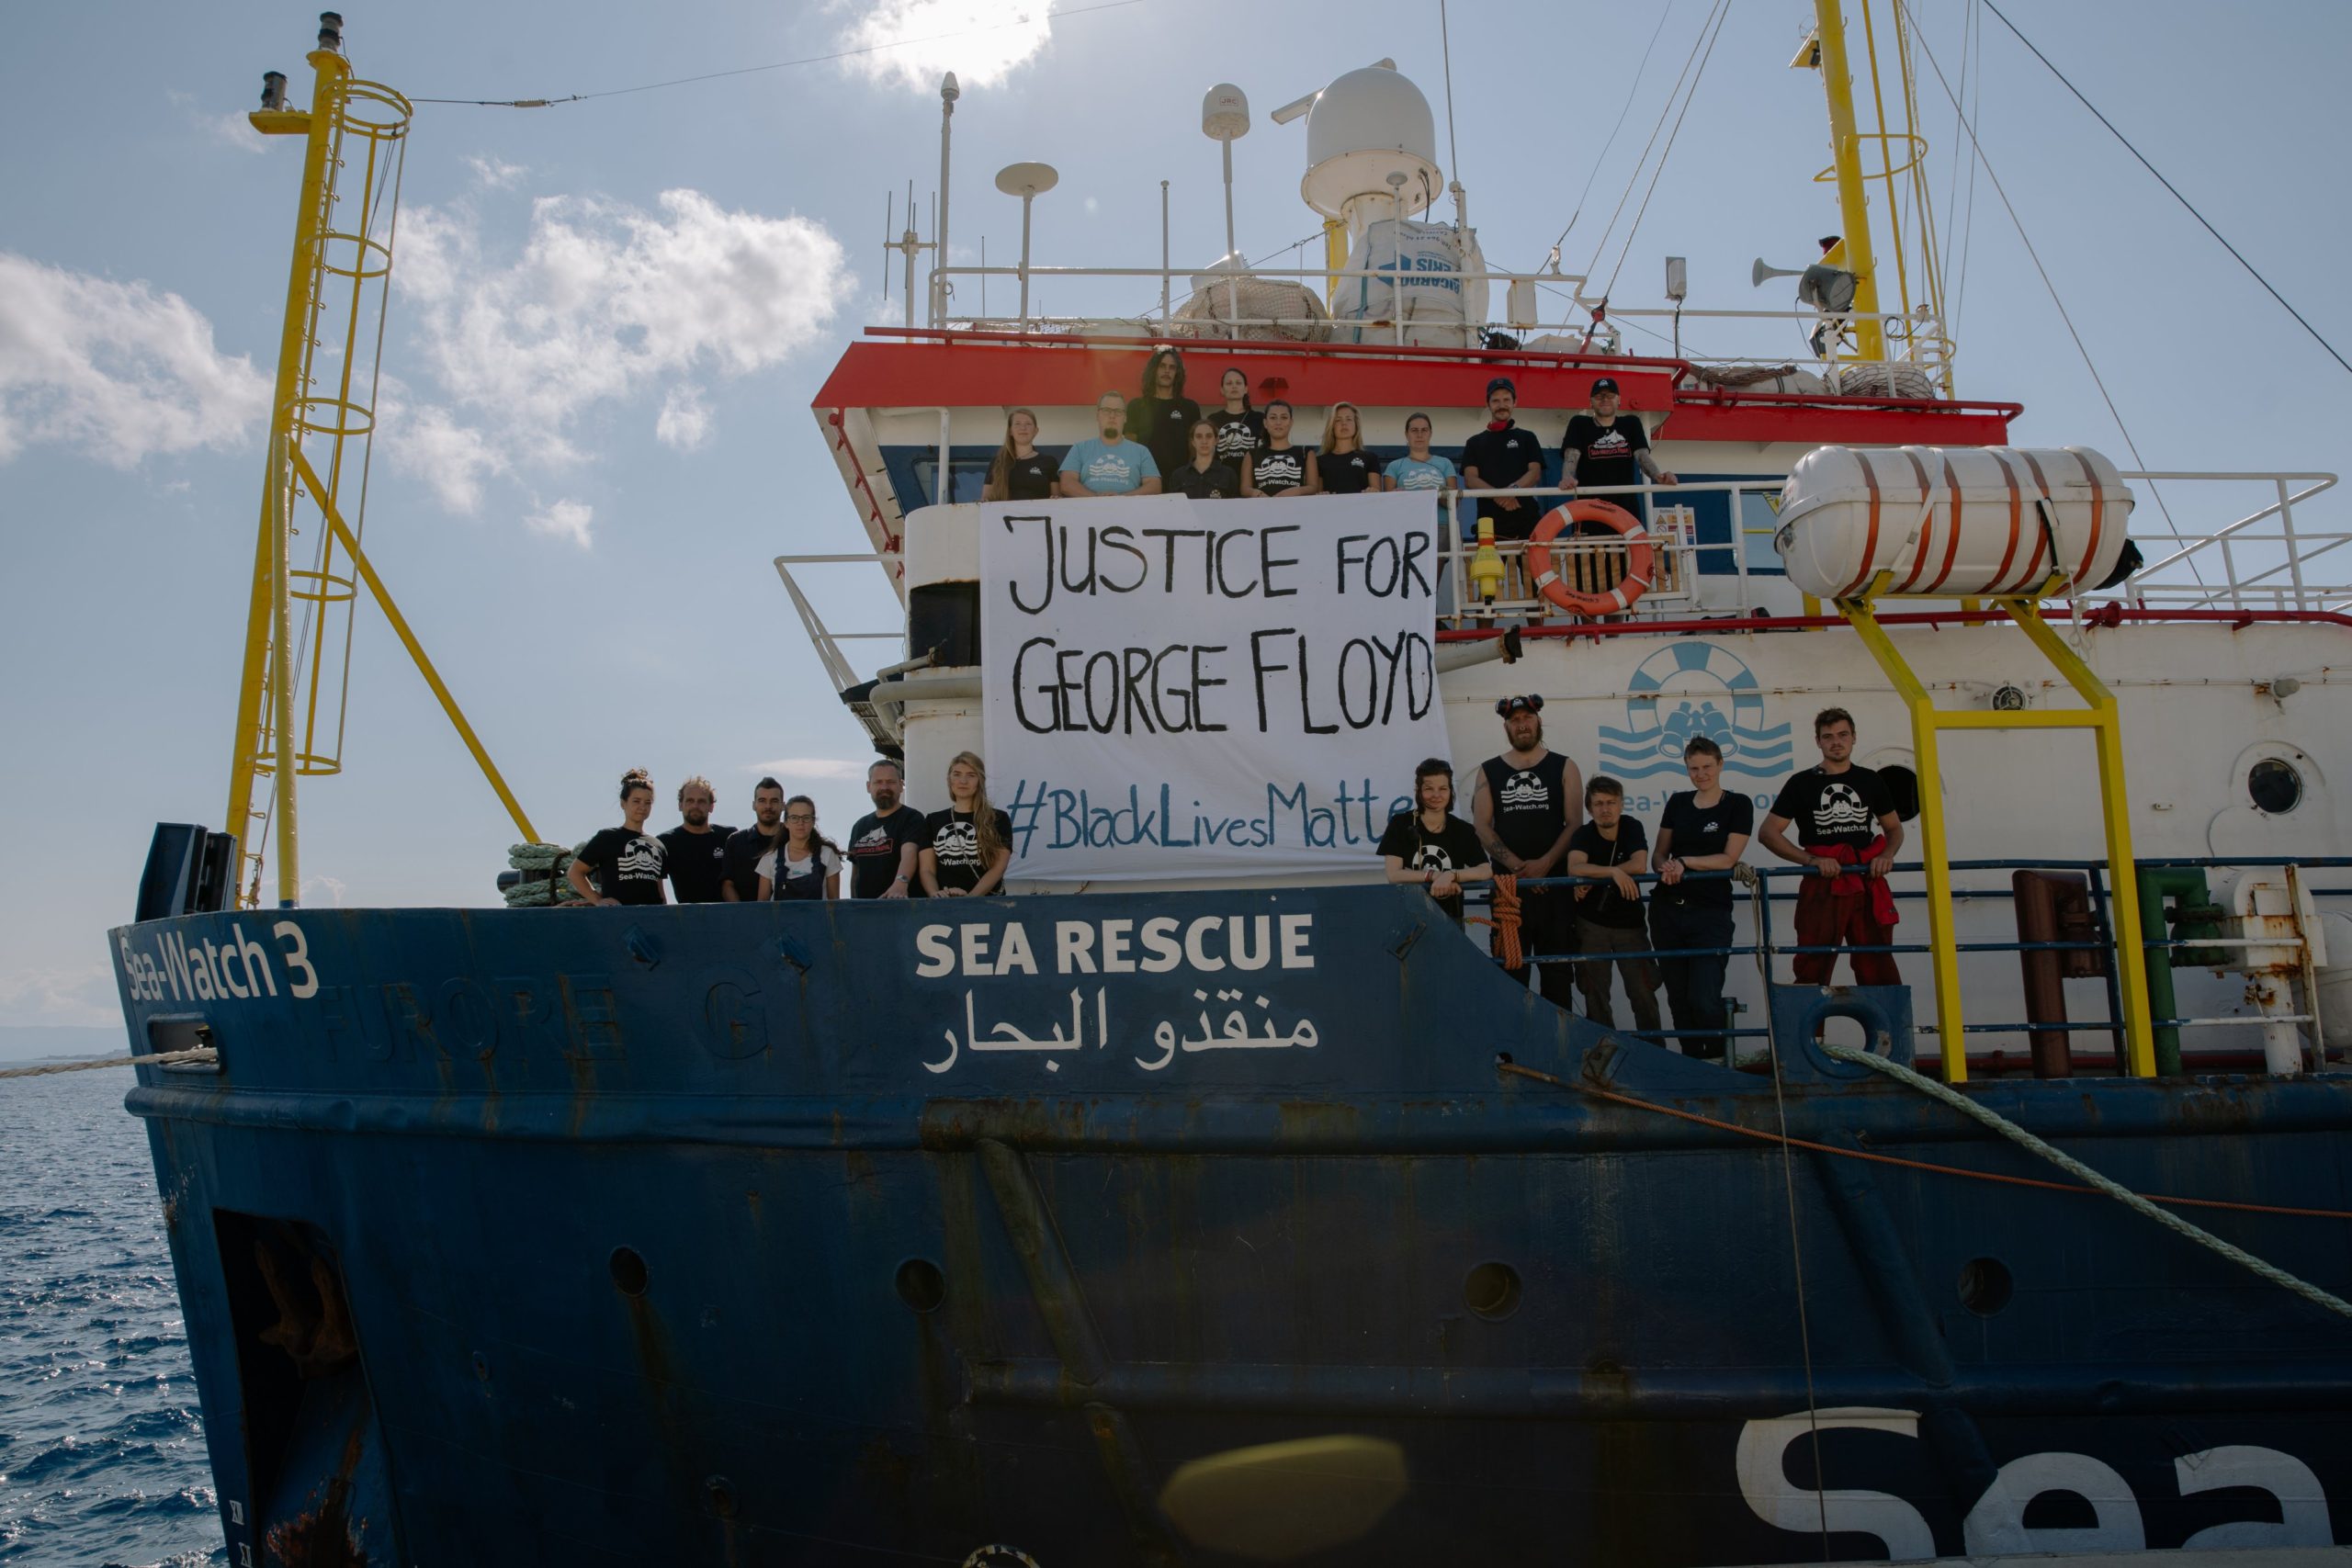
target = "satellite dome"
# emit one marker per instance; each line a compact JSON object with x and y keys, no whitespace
{"x":1365,"y":126}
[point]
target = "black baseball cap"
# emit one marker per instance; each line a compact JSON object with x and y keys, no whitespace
{"x":1606,"y":383}
{"x":1502,"y":383}
{"x":1533,"y":703}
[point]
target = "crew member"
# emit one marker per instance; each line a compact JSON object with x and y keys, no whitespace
{"x":745,"y":846}
{"x":1203,"y":475}
{"x":1525,"y":805}
{"x":801,"y":862}
{"x":1021,"y":472}
{"x":1346,"y":467}
{"x":1613,"y":848}
{"x":1847,"y":835}
{"x":695,"y":852}
{"x":1505,"y":455}
{"x":1704,"y":828}
{"x":1431,"y":845}
{"x":1110,"y":464}
{"x":1239,"y":427}
{"x":1277,"y":466}
{"x":884,"y":844}
{"x":1162,"y":418}
{"x":966,"y":847}
{"x":1604,"y":446}
{"x":625,"y":863}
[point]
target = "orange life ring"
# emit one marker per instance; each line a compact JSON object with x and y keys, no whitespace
{"x":1628,"y":588}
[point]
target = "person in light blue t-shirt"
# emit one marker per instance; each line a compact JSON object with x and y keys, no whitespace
{"x":1421,"y":468}
{"x":1110,"y":464}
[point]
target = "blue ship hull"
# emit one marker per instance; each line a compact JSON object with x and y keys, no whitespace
{"x":862,"y":1234}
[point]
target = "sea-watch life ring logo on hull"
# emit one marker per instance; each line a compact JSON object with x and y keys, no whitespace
{"x":1692,"y":687}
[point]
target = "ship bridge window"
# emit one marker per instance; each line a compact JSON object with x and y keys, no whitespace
{"x":2274,"y":785}
{"x":966,"y":476}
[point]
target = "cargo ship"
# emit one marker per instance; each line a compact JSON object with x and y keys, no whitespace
{"x":1199,"y":1198}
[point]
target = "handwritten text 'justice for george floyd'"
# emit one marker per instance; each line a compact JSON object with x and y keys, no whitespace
{"x":1179,"y":688}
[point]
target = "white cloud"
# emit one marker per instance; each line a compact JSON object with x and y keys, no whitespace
{"x":604,"y":300}
{"x":115,"y":370}
{"x":327,"y":890}
{"x":80,"y":994}
{"x":1092,"y":205}
{"x":563,"y":520}
{"x":791,"y":768}
{"x":983,"y":41}
{"x":495,"y":173}
{"x":685,"y":418}
{"x":226,"y":126}
{"x":429,"y":442}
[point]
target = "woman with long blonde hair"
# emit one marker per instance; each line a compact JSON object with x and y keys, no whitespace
{"x":1347,"y":469}
{"x":966,"y":847}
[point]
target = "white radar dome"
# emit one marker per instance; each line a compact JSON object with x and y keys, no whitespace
{"x":1365,"y":126}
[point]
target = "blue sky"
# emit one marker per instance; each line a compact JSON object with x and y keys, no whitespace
{"x":601,"y":434}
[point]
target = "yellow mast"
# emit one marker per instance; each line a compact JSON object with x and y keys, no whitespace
{"x":268,"y":640}
{"x":1845,"y":152}
{"x":352,"y":130}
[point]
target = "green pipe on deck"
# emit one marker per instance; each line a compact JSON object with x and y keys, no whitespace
{"x":2192,"y":915}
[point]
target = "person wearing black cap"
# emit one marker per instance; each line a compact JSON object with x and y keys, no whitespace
{"x":1526,"y":805}
{"x":1604,"y":446}
{"x":1505,"y":456}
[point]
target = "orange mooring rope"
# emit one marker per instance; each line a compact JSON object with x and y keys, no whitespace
{"x":1504,"y":923}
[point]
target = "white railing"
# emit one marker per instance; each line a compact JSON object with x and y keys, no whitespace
{"x":1923,"y":340}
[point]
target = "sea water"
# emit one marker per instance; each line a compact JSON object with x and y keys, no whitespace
{"x":101,"y":1455}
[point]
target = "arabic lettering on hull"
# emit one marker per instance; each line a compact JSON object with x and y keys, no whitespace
{"x":1235,"y":1032}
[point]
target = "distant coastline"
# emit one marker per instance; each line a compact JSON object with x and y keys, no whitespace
{"x":23,"y":1044}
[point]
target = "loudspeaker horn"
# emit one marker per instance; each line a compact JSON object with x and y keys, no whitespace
{"x":1764,"y":270}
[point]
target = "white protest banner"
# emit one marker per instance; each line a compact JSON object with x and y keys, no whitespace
{"x":1180,"y":688}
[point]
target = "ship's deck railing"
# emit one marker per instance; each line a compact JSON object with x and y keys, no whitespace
{"x":2262,"y":559}
{"x":1760,"y":897}
{"x":1921,"y":340}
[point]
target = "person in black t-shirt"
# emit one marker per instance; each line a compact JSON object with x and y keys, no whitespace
{"x":1848,"y":834}
{"x":1603,"y":446}
{"x":1431,"y":846}
{"x":1279,"y":466}
{"x":1505,"y":455}
{"x":1346,"y":467}
{"x":625,"y":863}
{"x":695,"y":852}
{"x":1704,"y":828}
{"x":1162,"y":418}
{"x":745,"y":846}
{"x":1525,"y":803}
{"x":1021,"y":472}
{"x":1239,"y":426}
{"x":1202,"y":476}
{"x":887,"y":841}
{"x":966,"y":847}
{"x":1613,"y":848}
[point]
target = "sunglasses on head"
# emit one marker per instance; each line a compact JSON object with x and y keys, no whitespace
{"x":1510,"y":706}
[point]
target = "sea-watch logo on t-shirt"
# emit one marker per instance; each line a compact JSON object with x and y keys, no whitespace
{"x":958,"y":843}
{"x":1839,"y":811}
{"x":642,"y":857}
{"x":1525,"y":791}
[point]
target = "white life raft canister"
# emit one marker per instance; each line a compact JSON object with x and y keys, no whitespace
{"x":1948,"y":520}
